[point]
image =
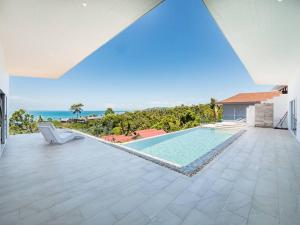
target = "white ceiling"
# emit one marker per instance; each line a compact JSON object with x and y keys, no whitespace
{"x":46,"y":38}
{"x":265,"y":34}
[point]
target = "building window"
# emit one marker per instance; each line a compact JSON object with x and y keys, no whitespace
{"x":293,"y":116}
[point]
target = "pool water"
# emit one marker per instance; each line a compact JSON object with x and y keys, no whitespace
{"x":182,"y":147}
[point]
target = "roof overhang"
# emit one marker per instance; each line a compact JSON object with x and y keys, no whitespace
{"x":239,"y":103}
{"x":264,"y":34}
{"x":48,"y":38}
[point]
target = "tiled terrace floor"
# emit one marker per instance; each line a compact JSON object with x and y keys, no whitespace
{"x":254,"y":181}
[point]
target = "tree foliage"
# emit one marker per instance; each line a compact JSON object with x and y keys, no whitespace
{"x":109,"y":111}
{"x":21,"y":123}
{"x":168,"y":119}
{"x":76,"y":109}
{"x":216,"y":109}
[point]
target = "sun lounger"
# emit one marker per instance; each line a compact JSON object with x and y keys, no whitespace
{"x":56,"y":136}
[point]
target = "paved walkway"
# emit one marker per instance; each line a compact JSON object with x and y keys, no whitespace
{"x":254,"y":181}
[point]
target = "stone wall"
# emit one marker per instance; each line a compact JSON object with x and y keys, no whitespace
{"x":264,"y":115}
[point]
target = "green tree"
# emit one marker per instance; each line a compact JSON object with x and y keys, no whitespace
{"x":108,"y":122}
{"x":76,"y":109}
{"x":117,"y":130}
{"x":215,"y":107}
{"x":168,"y":123}
{"x":21,"y":123}
{"x":96,"y":129}
{"x":126,"y":123}
{"x":168,"y":119}
{"x":109,"y":111}
{"x":40,"y":119}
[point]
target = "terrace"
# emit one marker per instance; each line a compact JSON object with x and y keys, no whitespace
{"x":254,"y":181}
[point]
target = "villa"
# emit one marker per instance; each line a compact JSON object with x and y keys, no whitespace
{"x":254,"y":180}
{"x":260,"y":109}
{"x":236,"y":106}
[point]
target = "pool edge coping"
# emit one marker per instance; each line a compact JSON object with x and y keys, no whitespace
{"x":199,"y":163}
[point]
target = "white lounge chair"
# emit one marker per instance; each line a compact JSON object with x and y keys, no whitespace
{"x":56,"y":136}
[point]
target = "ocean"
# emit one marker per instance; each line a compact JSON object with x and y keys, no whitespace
{"x":57,"y":115}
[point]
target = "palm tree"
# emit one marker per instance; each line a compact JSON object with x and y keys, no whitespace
{"x":215,"y":107}
{"x":109,"y":111}
{"x":40,"y":119}
{"x":76,"y":108}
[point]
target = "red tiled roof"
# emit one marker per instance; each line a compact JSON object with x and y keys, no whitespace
{"x":250,"y":97}
{"x":137,"y":134}
{"x":117,"y":138}
{"x":149,"y":132}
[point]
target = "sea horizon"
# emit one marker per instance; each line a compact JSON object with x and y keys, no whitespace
{"x":65,"y":114}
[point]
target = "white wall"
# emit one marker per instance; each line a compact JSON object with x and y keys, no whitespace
{"x":280,"y":107}
{"x":250,"y":119}
{"x":4,"y":82}
{"x":4,"y":78}
{"x":294,"y":93}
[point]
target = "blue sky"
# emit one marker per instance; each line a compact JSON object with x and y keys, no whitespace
{"x":173,"y":55}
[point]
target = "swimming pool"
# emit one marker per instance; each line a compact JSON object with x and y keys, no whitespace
{"x":184,"y":150}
